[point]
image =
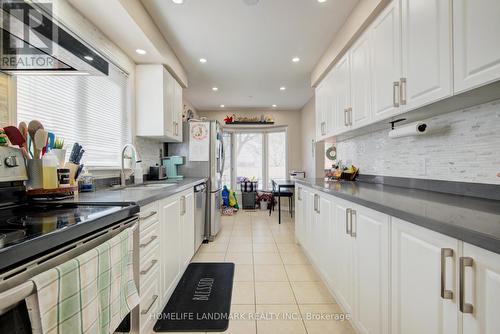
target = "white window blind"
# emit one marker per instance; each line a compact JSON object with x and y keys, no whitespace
{"x":90,"y":110}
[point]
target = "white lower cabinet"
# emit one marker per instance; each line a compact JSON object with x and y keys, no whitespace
{"x":170,"y":245}
{"x":395,"y":277}
{"x":424,"y":284}
{"x":480,"y":280}
{"x":187,"y":229}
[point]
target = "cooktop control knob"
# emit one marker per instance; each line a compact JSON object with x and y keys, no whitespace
{"x":11,"y":161}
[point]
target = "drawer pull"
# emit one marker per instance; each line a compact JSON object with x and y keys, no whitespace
{"x":348,"y":225}
{"x":151,"y":214}
{"x":464,"y":262}
{"x":403,"y":91}
{"x":445,"y":252}
{"x":353,"y":222}
{"x":146,"y":311}
{"x":153,"y":238}
{"x":151,"y":266}
{"x":395,"y":94}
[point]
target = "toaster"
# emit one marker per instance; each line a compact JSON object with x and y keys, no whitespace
{"x":157,"y":173}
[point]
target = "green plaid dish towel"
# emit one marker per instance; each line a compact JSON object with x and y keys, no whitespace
{"x":91,"y":293}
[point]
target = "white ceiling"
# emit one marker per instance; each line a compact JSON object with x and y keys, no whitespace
{"x":249,"y":47}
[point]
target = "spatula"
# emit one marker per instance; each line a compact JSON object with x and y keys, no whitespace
{"x":40,"y":142}
{"x":16,"y":138}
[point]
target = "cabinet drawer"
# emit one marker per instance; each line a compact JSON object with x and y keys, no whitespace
{"x":148,"y":216}
{"x":150,"y":302}
{"x":149,"y":264}
{"x":149,"y":238}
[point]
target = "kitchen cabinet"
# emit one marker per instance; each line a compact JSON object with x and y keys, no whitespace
{"x":320,"y":225}
{"x":342,"y":96}
{"x":299,"y":214}
{"x":177,"y":239}
{"x":360,"y":80}
{"x":476,"y":48}
{"x":424,"y":264}
{"x":386,"y":62}
{"x":187,"y":228}
{"x":481,"y":290}
{"x":426,"y":52}
{"x":158,"y":104}
{"x":371,"y":257}
{"x":320,"y":110}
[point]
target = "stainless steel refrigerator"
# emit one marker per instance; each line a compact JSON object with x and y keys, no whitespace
{"x":211,"y":169}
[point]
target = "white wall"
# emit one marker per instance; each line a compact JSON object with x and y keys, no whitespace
{"x":291,"y":119}
{"x":468,"y":150}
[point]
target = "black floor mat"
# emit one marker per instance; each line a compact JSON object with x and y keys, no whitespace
{"x":201,"y":301}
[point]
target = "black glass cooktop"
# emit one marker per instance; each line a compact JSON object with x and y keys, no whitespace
{"x":25,"y":222}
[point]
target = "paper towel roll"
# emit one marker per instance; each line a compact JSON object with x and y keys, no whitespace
{"x":412,"y":129}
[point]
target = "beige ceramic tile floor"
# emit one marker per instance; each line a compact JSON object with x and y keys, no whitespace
{"x":275,"y":289}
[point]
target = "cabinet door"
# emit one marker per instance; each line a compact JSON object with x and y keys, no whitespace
{"x":187,"y":229}
{"x":319,"y":108}
{"x":170,"y":245}
{"x":169,"y":96}
{"x":323,"y":223}
{"x":342,"y":95}
{"x":482,"y":291}
{"x":343,"y":280}
{"x":299,"y":214}
{"x":371,"y":270}
{"x":178,"y":109}
{"x":386,"y":62}
{"x":417,"y":268}
{"x":361,"y":92}
{"x":308,"y":221}
{"x":426,"y":51}
{"x":476,"y":43}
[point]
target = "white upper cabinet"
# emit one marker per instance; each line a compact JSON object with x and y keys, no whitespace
{"x":481,"y":291}
{"x":342,"y":96}
{"x":361,"y":85}
{"x":386,"y":62}
{"x":476,"y":29}
{"x":424,"y":284}
{"x":426,"y":52}
{"x":158,"y":104}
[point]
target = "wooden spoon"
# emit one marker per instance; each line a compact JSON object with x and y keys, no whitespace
{"x":33,"y":127}
{"x":40,"y":142}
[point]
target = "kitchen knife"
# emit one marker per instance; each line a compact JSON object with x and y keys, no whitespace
{"x":74,"y":152}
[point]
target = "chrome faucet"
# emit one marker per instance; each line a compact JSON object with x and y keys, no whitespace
{"x":134,"y":155}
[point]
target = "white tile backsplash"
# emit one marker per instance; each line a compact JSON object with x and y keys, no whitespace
{"x":466,"y":148}
{"x":149,"y":150}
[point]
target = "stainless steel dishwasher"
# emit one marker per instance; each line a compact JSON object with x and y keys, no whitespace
{"x":200,"y":214}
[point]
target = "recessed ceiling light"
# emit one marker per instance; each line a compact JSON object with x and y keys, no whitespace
{"x":282,"y":88}
{"x":203,"y":60}
{"x":321,"y":1}
{"x":295,"y":59}
{"x":274,"y":106}
{"x":222,"y":106}
{"x":140,"y":51}
{"x":89,"y":58}
{"x":180,"y":2}
{"x":215,"y":89}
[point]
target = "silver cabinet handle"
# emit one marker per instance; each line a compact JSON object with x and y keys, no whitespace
{"x":395,"y":93}
{"x":151,"y":266}
{"x":323,"y":128}
{"x":183,"y":205}
{"x":353,"y":224}
{"x":318,"y":205}
{"x":146,"y":311}
{"x":149,"y":215}
{"x":350,"y":115}
{"x":347,"y":221}
{"x":299,"y":193}
{"x":346,"y":122}
{"x":315,"y":203}
{"x":403,"y":91}
{"x":153,"y":238}
{"x":464,"y":262}
{"x":445,"y":253}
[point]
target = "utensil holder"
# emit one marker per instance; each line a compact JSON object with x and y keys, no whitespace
{"x":72,"y":172}
{"x":60,"y":155}
{"x":35,"y":174}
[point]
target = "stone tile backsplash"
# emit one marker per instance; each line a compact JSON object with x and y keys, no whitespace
{"x":149,"y":150}
{"x":465,"y":148}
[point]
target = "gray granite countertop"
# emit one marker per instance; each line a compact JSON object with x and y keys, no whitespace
{"x":139,"y":196}
{"x":470,"y":219}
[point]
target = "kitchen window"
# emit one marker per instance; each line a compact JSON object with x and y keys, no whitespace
{"x":90,"y":110}
{"x":259,"y":154}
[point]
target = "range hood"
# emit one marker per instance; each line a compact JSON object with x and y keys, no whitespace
{"x":32,"y":43}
